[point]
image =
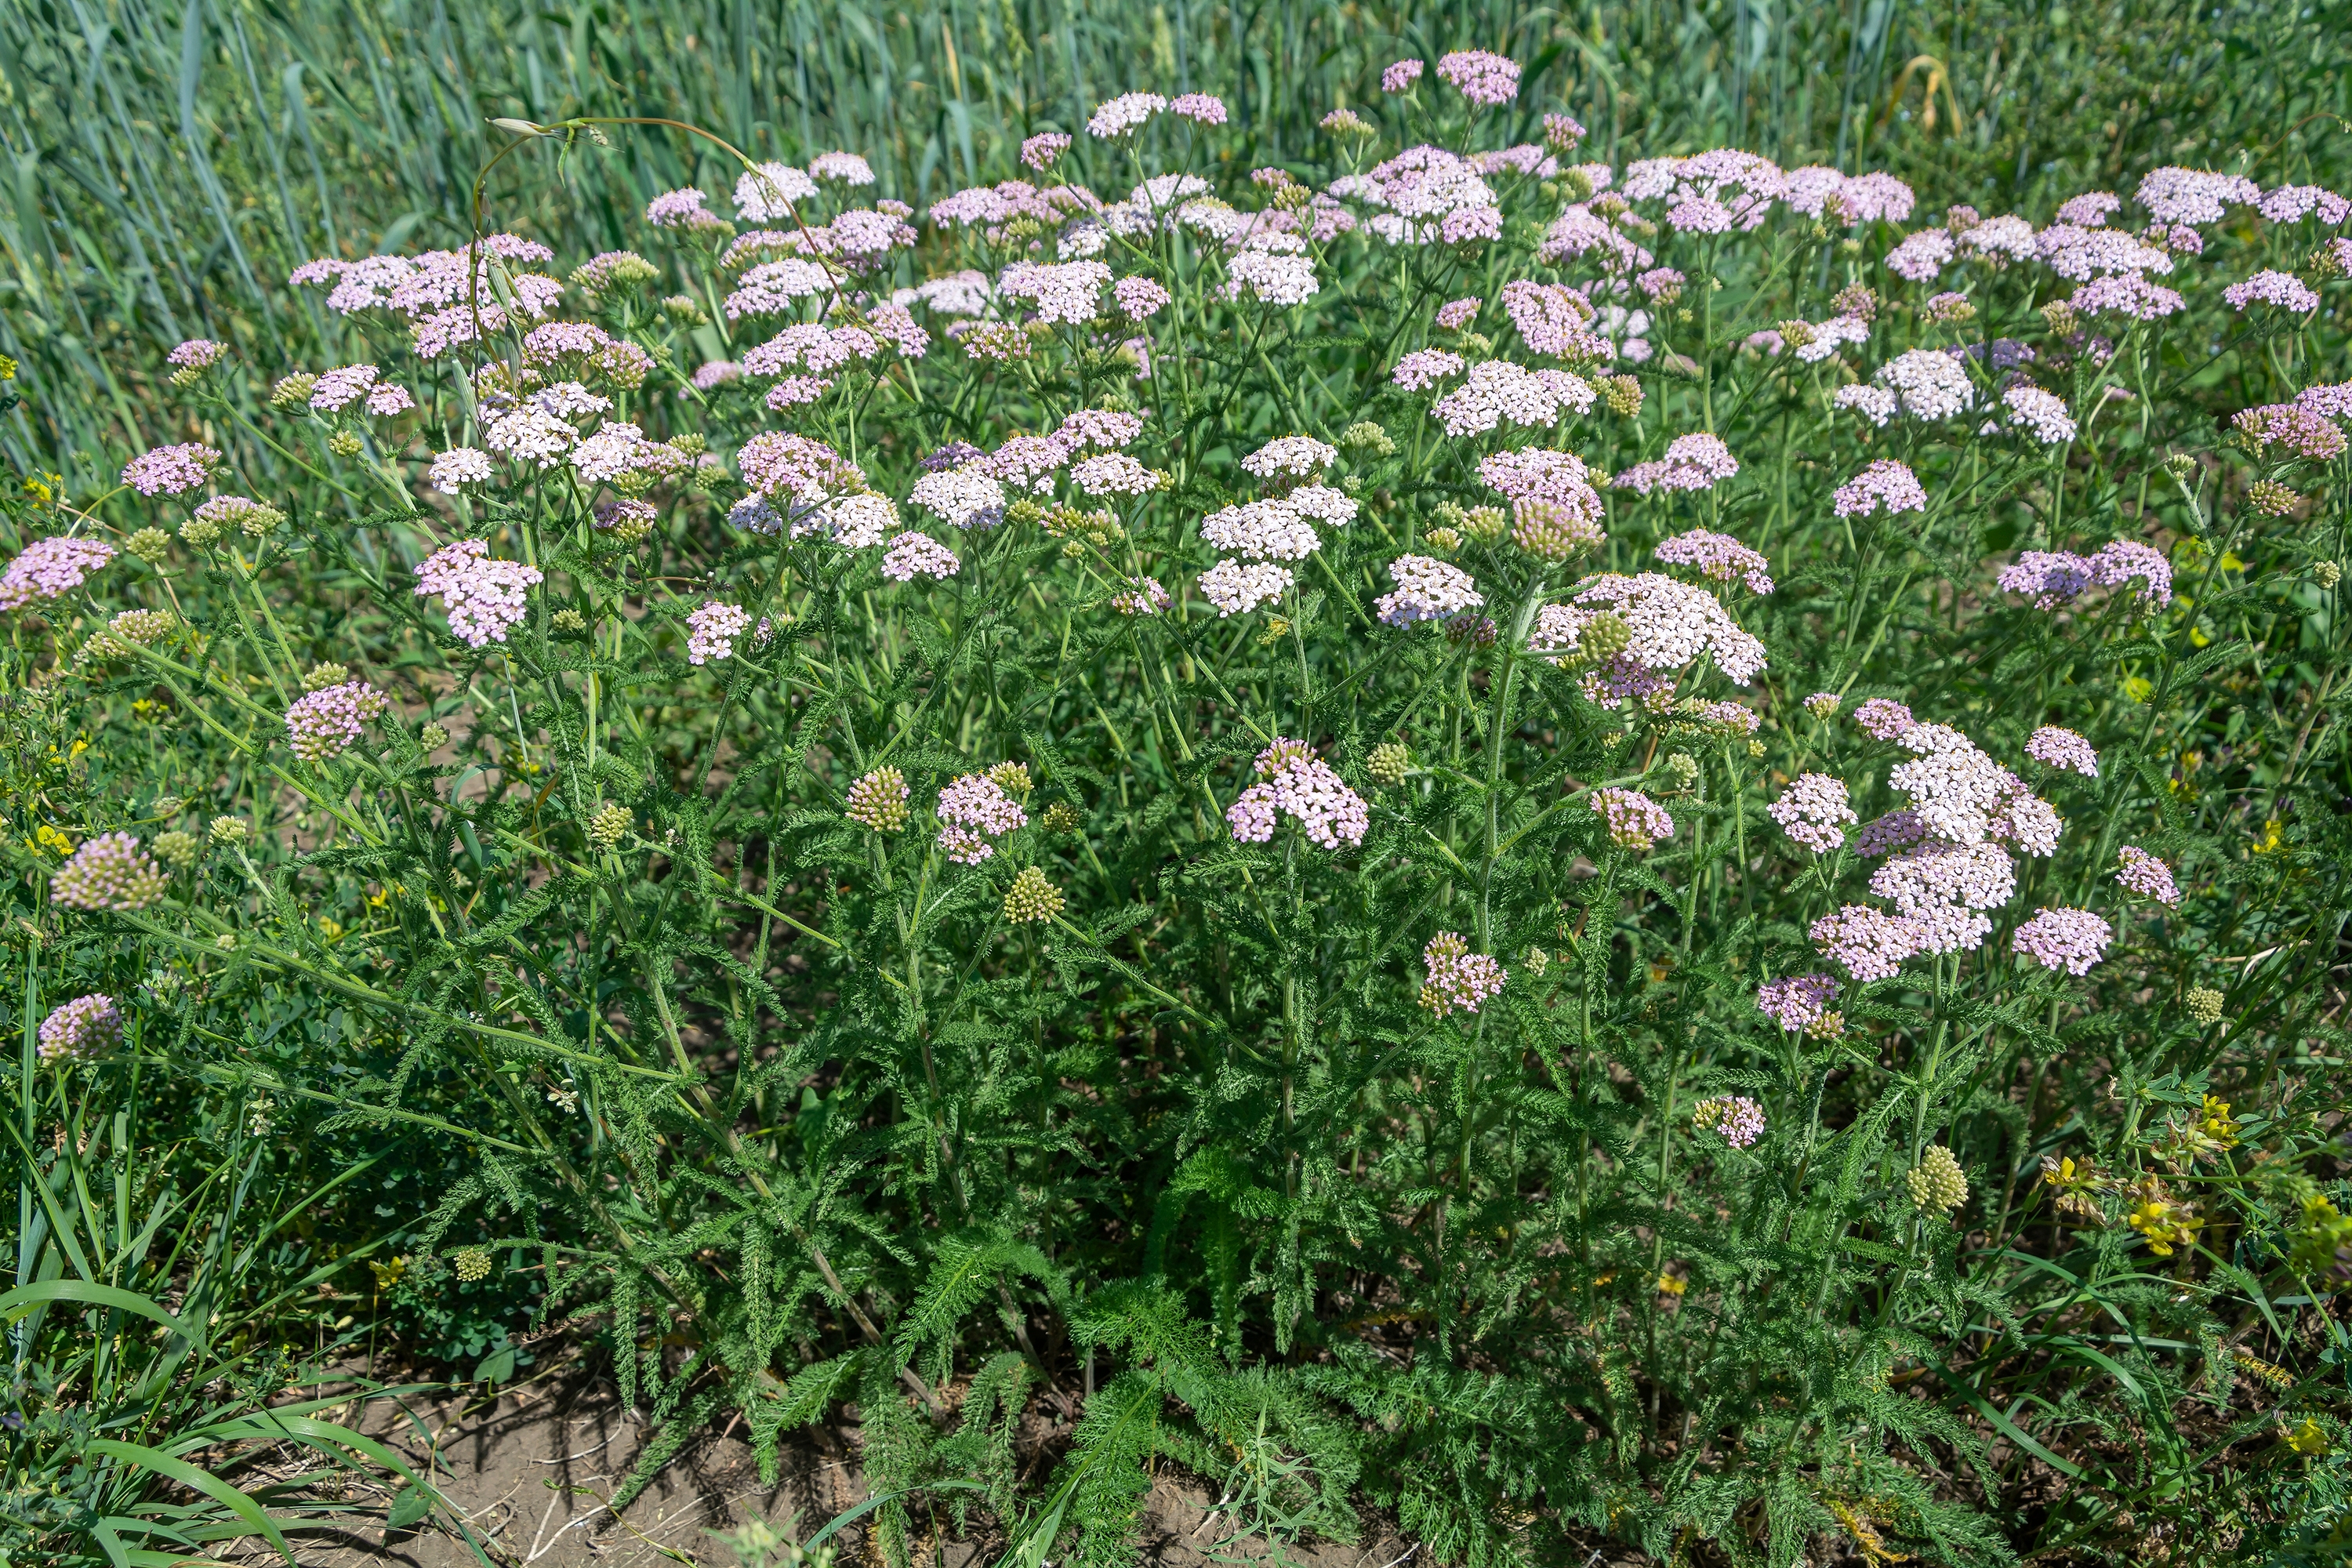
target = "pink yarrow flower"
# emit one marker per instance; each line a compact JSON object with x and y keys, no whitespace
{"x":971,"y":811}
{"x":1883,"y":483}
{"x":1813,"y":810}
{"x":2144,"y":874}
{"x":712,"y":629}
{"x":1456,"y":314}
{"x":1400,"y":76}
{"x":1482,"y":77}
{"x":107,"y":872}
{"x":1883,"y":719}
{"x":323,"y":724}
{"x":2271,"y":287}
{"x":1293,"y":781}
{"x":1867,"y":943}
{"x":1040,"y":151}
{"x":1736,"y":1119}
{"x":171,"y":471}
{"x":50,"y":568}
{"x":1458,"y":978}
{"x":2070,"y":940}
{"x":1634,"y":819}
{"x":1797,"y":1000}
{"x":2055,"y":747}
{"x":1201,"y":108}
{"x":1426,"y":590}
{"x":913,"y":554}
{"x":1718,"y":557}
{"x":484,"y":597}
{"x":85,"y":1026}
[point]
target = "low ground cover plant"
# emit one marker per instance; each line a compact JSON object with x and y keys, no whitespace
{"x":1644,"y":850}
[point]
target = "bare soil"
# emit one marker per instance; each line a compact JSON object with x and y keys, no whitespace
{"x":529,"y":1473}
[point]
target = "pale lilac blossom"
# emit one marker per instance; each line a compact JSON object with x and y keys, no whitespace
{"x":2070,"y":940}
{"x":1458,"y":978}
{"x":712,"y":629}
{"x":483,"y":597}
{"x":1884,"y":482}
{"x":915,"y":554}
{"x":1426,"y":590}
{"x":971,"y":811}
{"x":321,"y":725}
{"x":1735,"y":1118}
{"x":1633,"y":820}
{"x":1812,"y":811}
{"x":86,"y":1027}
{"x":1797,"y":1000}
{"x":171,"y":471}
{"x":2055,"y":747}
{"x":2143,"y":873}
{"x":1867,"y":943}
{"x":109,"y":872}
{"x":50,"y":568}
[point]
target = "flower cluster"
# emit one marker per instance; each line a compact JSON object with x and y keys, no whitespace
{"x":1292,"y":780}
{"x":85,"y":1026}
{"x":1458,"y":979}
{"x":49,"y":569}
{"x":971,"y":811}
{"x":1634,"y":820}
{"x":2055,"y":747}
{"x":1884,"y":482}
{"x":107,"y":872}
{"x":2070,"y":940}
{"x":322,"y":725}
{"x":1736,"y":1119}
{"x":484,"y":597}
{"x":712,"y":629}
{"x":1426,"y":590}
{"x":1718,"y":558}
{"x":1694,"y":462}
{"x":1813,"y":811}
{"x":2143,"y":873}
{"x":1797,"y":1002}
{"x":879,"y":801}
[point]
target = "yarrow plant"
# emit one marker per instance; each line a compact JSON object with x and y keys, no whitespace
{"x":943,"y":798}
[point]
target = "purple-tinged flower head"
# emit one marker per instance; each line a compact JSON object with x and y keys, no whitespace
{"x":2122,"y":560}
{"x":1426,"y":590}
{"x":1562,"y":132}
{"x":2089,"y":210}
{"x":1456,"y":314}
{"x":1400,"y":76}
{"x":1237,"y":587}
{"x":341,"y":387}
{"x":1140,"y":298}
{"x":107,"y":872}
{"x":2151,"y":877}
{"x":1947,"y":309}
{"x":1293,"y":780}
{"x":1960,"y":793}
{"x":1458,"y":978}
{"x":2332,"y":401}
{"x":2070,"y":940}
{"x":2175,"y":195}
{"x":1270,"y":278}
{"x":841,"y":168}
{"x":2271,"y":287}
{"x":2042,"y":412}
{"x":1735,"y":1118}
{"x":1942,"y":886}
{"x":913,"y":556}
{"x":1867,"y":943}
{"x":1142,"y":596}
{"x":1894,"y":831}
{"x":197,"y":354}
{"x":971,"y":811}
{"x":1555,"y":320}
{"x":1099,"y":429}
{"x":1662,"y":285}
{"x":1041,"y":152}
{"x":1424,"y":368}
{"x":322,"y":725}
{"x":1884,"y":482}
{"x":879,"y":801}
{"x":458,"y":467}
{"x":954,"y":455}
{"x":1553,"y":530}
{"x":963,"y":497}
{"x":781,"y":466}
{"x":1875,"y":404}
{"x":1115,"y":474}
{"x":1883,"y":719}
{"x":1290,"y":457}
{"x":2293,"y":204}
{"x":484,"y":597}
{"x":635,"y":518}
{"x":1796,"y":1002}
{"x":1464,"y":225}
{"x":171,"y":471}
{"x":1201,"y":108}
{"x":2127,"y":294}
{"x":1538,"y":473}
{"x":2054,"y":747}
{"x":1718,"y":557}
{"x":86,"y":1027}
{"x":2054,"y":577}
{"x":1481,"y":77}
{"x":1921,"y":258}
{"x":1693,"y":462}
{"x":679,"y":209}
{"x":1660,"y":627}
{"x":1929,"y":385}
{"x":1064,"y":292}
{"x":1811,"y":811}
{"x":713,"y":630}
{"x":712,"y":375}
{"x":1027,"y":462}
{"x":1634,"y":820}
{"x":1124,"y":113}
{"x":50,"y":568}
{"x":2302,"y":427}
{"x":1823,"y":705}
{"x":389,"y":398}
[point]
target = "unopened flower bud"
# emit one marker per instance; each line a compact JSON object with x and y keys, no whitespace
{"x":569,"y":621}
{"x":1576,"y":182}
{"x":1368,"y":439}
{"x":201,"y":532}
{"x":1537,"y":960}
{"x":2326,"y":574}
{"x":1389,"y":762}
{"x":1859,"y":300}
{"x":1032,"y":899}
{"x":1604,"y":637}
{"x":149,"y":544}
{"x":471,"y":1264}
{"x":1486,"y":524}
{"x":1444,"y":540}
{"x":227,"y":831}
{"x":2062,"y":319}
{"x":2205,"y":1004}
{"x":1936,"y":1182}
{"x":432,"y":737}
{"x":1012,"y":778}
{"x":608,"y":827}
{"x":344,"y":444}
{"x":177,"y":849}
{"x":293,"y":391}
{"x":879,"y":801}
{"x":2181,"y":467}
{"x":2272,"y":499}
{"x":1682,"y":769}
{"x":1622,"y":393}
{"x":1061,"y":818}
{"x":321,"y":676}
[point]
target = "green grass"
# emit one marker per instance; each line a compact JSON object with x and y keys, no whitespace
{"x":165,"y":165}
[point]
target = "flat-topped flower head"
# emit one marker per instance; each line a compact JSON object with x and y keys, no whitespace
{"x":1813,"y":811}
{"x":1201,"y":108}
{"x":2055,"y":747}
{"x":50,"y":568}
{"x":1237,"y":587}
{"x":973,"y":811}
{"x":171,"y":470}
{"x":711,"y":630}
{"x":2070,"y":940}
{"x":913,"y":556}
{"x":1696,"y":461}
{"x":1883,"y":483}
{"x":1736,"y":1119}
{"x":1883,"y":719}
{"x":1268,"y":530}
{"x":1125,"y":113}
{"x":1293,"y":782}
{"x":323,"y":724}
{"x":964,"y":497}
{"x":2051,"y":576}
{"x":1041,"y":152}
{"x":484,"y":597}
{"x":1482,"y":77}
{"x":1634,"y":821}
{"x":1400,"y":76}
{"x":1426,"y":590}
{"x":2143,"y":873}
{"x":1458,"y":979}
{"x":1717,"y":557}
{"x":1867,"y":943}
{"x":1796,"y":1002}
{"x":1290,"y":457}
{"x":841,"y":168}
